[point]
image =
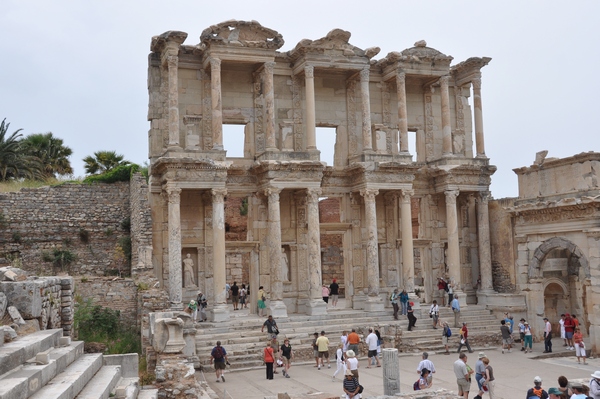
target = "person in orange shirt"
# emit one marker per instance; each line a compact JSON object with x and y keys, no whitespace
{"x":579,"y":345}
{"x":353,"y":341}
{"x":269,"y":359}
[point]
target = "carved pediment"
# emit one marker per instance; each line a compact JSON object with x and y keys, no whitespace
{"x":335,"y":40}
{"x":242,"y":34}
{"x":419,"y":54}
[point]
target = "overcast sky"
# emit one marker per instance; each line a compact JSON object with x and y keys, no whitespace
{"x":78,"y":69}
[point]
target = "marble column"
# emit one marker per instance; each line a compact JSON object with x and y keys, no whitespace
{"x":453,"y":254}
{"x":374,"y":302}
{"x":402,"y":113}
{"x":269,"y":106}
{"x":316,"y":305}
{"x":391,"y":372}
{"x":220,"y":311}
{"x":174,"y":228}
{"x":478,"y":114}
{"x":446,"y":121}
{"x":277,"y":306}
{"x":215,"y":95}
{"x":311,"y":121}
{"x":366,"y":110}
{"x":173,"y":102}
{"x":408,"y":263}
{"x":483,"y":234}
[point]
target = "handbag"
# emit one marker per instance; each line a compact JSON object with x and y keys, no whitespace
{"x":462,"y":341}
{"x":360,"y":388}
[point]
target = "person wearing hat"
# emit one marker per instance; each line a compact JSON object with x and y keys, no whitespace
{"x":537,"y":390}
{"x":192,"y":309}
{"x":577,"y":391}
{"x":412,"y":320}
{"x":547,"y":336}
{"x":424,"y":379}
{"x":351,"y":385}
{"x":351,"y":363}
{"x":480,"y":372}
{"x":425,"y":363}
{"x":528,"y":338}
{"x":595,"y":385}
{"x":334,"y":289}
{"x":555,"y":393}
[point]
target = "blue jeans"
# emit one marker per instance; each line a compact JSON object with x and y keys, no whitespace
{"x":404,"y":308}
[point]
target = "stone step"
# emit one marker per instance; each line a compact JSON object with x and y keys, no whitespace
{"x":24,"y":381}
{"x":72,"y":380}
{"x":102,"y":384}
{"x":128,"y":388}
{"x":148,"y":394}
{"x":17,"y":352}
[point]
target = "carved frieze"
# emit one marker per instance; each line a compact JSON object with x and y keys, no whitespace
{"x":241,"y":33}
{"x":555,"y":214}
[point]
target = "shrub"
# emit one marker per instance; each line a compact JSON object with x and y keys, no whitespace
{"x":126,"y":224}
{"x":63,"y":257}
{"x":84,"y":235}
{"x":120,"y":173}
{"x":16,"y":237}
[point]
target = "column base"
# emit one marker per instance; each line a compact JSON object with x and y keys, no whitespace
{"x":484,"y":296}
{"x":278,"y":309}
{"x":176,"y":306}
{"x":374,"y":304}
{"x":219,"y":313}
{"x":316,"y":307}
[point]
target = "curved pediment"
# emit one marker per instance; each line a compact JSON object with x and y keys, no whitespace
{"x":337,"y":39}
{"x":242,"y":34}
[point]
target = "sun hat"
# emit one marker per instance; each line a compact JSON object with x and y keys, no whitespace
{"x":348,"y":372}
{"x":526,"y":323}
{"x":537,"y":379}
{"x":554,"y":391}
{"x":577,"y":385}
{"x":596,"y":374}
{"x":350,"y":353}
{"x":481,"y":355}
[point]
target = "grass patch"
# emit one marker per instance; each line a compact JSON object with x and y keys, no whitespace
{"x":17,"y":185}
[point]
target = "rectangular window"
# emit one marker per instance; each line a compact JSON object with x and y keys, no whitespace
{"x":326,"y":137}
{"x":233,"y":140}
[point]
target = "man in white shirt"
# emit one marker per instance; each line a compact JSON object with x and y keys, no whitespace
{"x":426,"y":364}
{"x":344,"y":340}
{"x":371,"y":342}
{"x":547,"y":336}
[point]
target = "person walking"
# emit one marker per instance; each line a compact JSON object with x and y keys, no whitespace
{"x":351,"y":386}
{"x":456,"y":310}
{"x":286,"y":357}
{"x":339,"y":361}
{"x":445,"y":336}
{"x":537,"y":389}
{"x":395,"y":298}
{"x":412,"y":319}
{"x":269,"y":358}
{"x":243,"y":295}
{"x":521,"y":327}
{"x":464,"y":338}
{"x":490,"y":381}
{"x":353,"y":341}
{"x":463,"y":375}
{"x":480,"y":373}
{"x":316,"y":349}
{"x":404,"y":302}
{"x":506,"y":337}
{"x":352,"y":363}
{"x":371,"y":342}
{"x":344,"y":341}
{"x":547,"y":336}
{"x":219,"y":356}
{"x":434,"y":313}
{"x":271,"y":325}
{"x":334,"y":291}
{"x":579,"y":345}
{"x":528,"y":337}
{"x":262,"y":297}
{"x":562,"y":329}
{"x":595,"y":385}
{"x":325,"y":293}
{"x":323,"y":347}
{"x":425,"y":363}
{"x":276,"y":354}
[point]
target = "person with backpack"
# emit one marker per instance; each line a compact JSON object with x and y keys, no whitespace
{"x":219,"y":355}
{"x":351,"y":386}
{"x":537,"y":392}
{"x":446,"y":334}
{"x":423,"y":381}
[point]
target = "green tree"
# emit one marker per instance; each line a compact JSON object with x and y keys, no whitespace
{"x":14,"y":163}
{"x":102,"y":162}
{"x":51,"y":152}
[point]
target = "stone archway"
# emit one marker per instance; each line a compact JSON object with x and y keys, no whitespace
{"x":576,"y":257}
{"x":556,"y":302}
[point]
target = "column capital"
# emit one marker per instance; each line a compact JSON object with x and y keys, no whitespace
{"x":364,"y":74}
{"x":406,"y":195}
{"x":272,"y":192}
{"x":172,"y":60}
{"x":484,"y":197}
{"x":369,"y":193}
{"x":214,"y":62}
{"x":313,"y":194}
{"x":445,"y":80}
{"x":476,"y":83}
{"x":400,"y":75}
{"x":173,"y":195}
{"x":451,"y":196}
{"x":218,"y":194}
{"x":309,"y":71}
{"x":269,"y":66}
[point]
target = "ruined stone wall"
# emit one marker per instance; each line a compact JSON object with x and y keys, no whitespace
{"x":501,"y":241}
{"x":83,"y":219}
{"x":119,"y":294}
{"x":332,"y":259}
{"x":236,"y":222}
{"x":329,"y":210}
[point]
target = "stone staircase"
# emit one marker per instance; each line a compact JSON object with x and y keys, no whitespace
{"x":46,"y":365}
{"x":244,"y":342}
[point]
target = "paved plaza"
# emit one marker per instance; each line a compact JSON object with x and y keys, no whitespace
{"x":514,"y":373}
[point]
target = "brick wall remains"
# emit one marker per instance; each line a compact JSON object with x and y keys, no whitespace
{"x":329,"y":210}
{"x":117,"y":294}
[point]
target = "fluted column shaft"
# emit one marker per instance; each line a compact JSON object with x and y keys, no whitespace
{"x":274,"y":243}
{"x":453,"y":258}
{"x":269,"y":106}
{"x":314,"y":244}
{"x":311,"y":121}
{"x":218,"y":227}
{"x":483,"y":233}
{"x":402,"y":113}
{"x":408,"y":264}
{"x":478,"y":113}
{"x":446,"y":123}
{"x":215,"y":95}
{"x":372,"y":252}
{"x":366,"y":110}
{"x":173,"y":101}
{"x":174,"y":230}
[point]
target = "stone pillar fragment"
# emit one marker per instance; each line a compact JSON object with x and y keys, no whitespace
{"x":453,"y":256}
{"x":277,"y":306}
{"x":402,"y":112}
{"x":366,"y":110}
{"x":220,"y":310}
{"x":478,"y":114}
{"x":446,"y":122}
{"x":269,"y":106}
{"x":217,"y":112}
{"x":408,"y":263}
{"x":391,"y":372}
{"x":373,"y":301}
{"x":173,"y":102}
{"x":316,"y":304}
{"x":311,"y":121}
{"x":174,"y":228}
{"x":483,"y":233}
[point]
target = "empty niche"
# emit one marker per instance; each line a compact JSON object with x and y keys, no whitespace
{"x":326,"y":137}
{"x":234,"y":139}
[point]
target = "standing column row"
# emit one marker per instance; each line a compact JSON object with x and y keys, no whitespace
{"x":277,"y":306}
{"x":366,"y":110}
{"x":446,"y":122}
{"x":269,"y":96}
{"x":373,"y":300}
{"x":408,"y":263}
{"x":220,"y":311}
{"x":483,"y":233}
{"x":174,"y":245}
{"x":311,"y":121}
{"x":453,"y":255}
{"x":478,"y":116}
{"x":215,"y":96}
{"x":173,"y":101}
{"x":316,"y":305}
{"x":402,"y":112}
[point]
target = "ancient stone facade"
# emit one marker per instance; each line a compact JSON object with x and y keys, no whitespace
{"x":549,"y":240}
{"x":237,"y":76}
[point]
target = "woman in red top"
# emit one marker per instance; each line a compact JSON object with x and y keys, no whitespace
{"x":269,"y":360}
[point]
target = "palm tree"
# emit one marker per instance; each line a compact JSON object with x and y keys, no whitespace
{"x":14,"y":164}
{"x":102,"y":162}
{"x":50,"y":151}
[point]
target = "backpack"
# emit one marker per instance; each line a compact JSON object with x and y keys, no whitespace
{"x":416,"y":386}
{"x":342,"y":359}
{"x":446,"y":287}
{"x":218,"y":353}
{"x":537,"y":393}
{"x":449,"y":334}
{"x":392,"y":297}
